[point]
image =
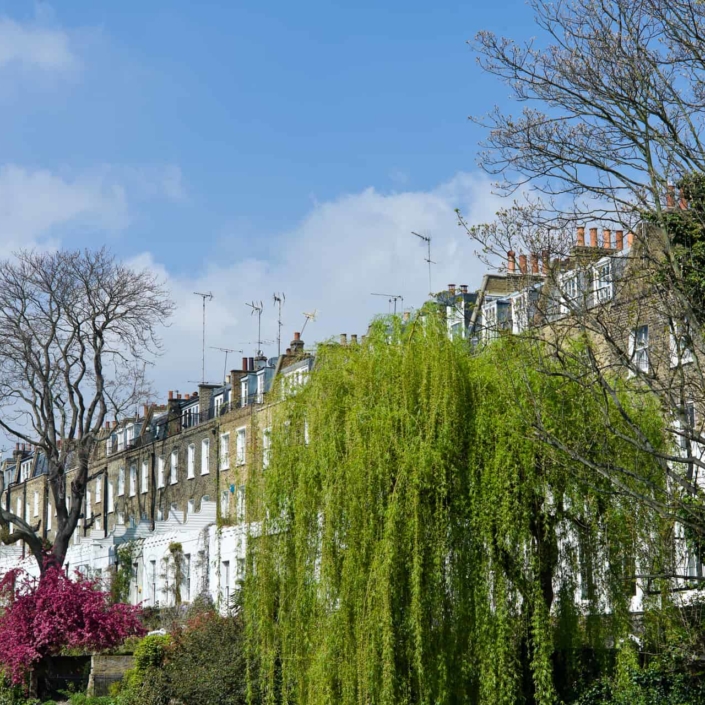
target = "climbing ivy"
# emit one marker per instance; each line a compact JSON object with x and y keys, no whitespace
{"x":425,"y":546}
{"x":122,"y":573}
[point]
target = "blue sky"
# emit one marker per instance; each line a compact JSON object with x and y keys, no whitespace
{"x":248,"y":147}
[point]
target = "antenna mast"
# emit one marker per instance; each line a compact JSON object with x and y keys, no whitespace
{"x":427,"y":240}
{"x":394,"y":298}
{"x":309,"y":317}
{"x":279,"y":300}
{"x":226,"y":351}
{"x":258,"y":308}
{"x":205,"y":297}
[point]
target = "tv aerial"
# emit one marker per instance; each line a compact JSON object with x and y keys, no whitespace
{"x":206,"y":297}
{"x":309,"y":317}
{"x":279,"y":300}
{"x":257,"y":308}
{"x":427,"y":240}
{"x":226,"y":351}
{"x":392,"y":298}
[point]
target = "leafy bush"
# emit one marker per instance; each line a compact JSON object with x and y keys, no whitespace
{"x":200,"y":664}
{"x":48,"y":615}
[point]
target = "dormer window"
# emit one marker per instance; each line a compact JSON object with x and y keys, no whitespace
{"x":602,"y":281}
{"x":25,"y":470}
{"x":218,"y":404}
{"x":260,"y":388}
{"x":570,"y":291}
{"x":130,"y":434}
{"x":523,"y":310}
{"x":495,"y":317}
{"x":243,"y":392}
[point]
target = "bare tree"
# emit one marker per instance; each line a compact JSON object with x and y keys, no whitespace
{"x":611,"y":135}
{"x":76,"y":331}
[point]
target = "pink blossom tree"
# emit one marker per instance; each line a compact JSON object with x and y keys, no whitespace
{"x":40,"y":617}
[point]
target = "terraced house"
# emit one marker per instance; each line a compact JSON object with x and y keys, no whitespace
{"x":608,"y":304}
{"x":173,"y":475}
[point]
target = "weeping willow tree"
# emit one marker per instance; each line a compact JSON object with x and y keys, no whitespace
{"x":417,"y":543}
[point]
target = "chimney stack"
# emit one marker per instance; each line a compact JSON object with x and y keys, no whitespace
{"x":619,"y":240}
{"x":683,"y":201}
{"x":115,"y":423}
{"x":463,"y":288}
{"x":593,"y":237}
{"x":670,"y":196}
{"x":451,"y":289}
{"x":606,"y":239}
{"x":353,"y":338}
{"x":244,"y":364}
{"x":171,"y":395}
{"x":581,"y":236}
{"x":534,"y":263}
{"x":297,"y":345}
{"x":545,"y":262}
{"x":343,"y":339}
{"x":251,"y":364}
{"x":288,"y":351}
{"x":178,"y":395}
{"x":511,"y":262}
{"x":522,"y":264}
{"x":630,"y":238}
{"x":187,"y":396}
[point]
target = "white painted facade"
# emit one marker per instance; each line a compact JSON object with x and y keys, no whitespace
{"x":213,"y":558}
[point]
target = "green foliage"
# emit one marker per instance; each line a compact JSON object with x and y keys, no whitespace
{"x":83,"y":699}
{"x":151,"y":652}
{"x":423,"y":547}
{"x":202,"y":663}
{"x":122,"y":574}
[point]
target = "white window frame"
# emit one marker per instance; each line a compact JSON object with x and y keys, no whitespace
{"x":205,"y":456}
{"x":89,"y":508}
{"x":224,"y":503}
{"x":36,"y":503}
{"x":639,"y":348}
{"x":133,"y":480}
{"x":681,"y":354}
{"x":25,"y":470}
{"x":225,"y":450}
{"x":217,"y":405}
{"x":191,"y":461}
{"x":145,"y":477}
{"x":160,"y":472}
{"x":266,"y":446}
{"x":111,"y":498}
{"x":173,"y":467}
{"x":49,"y":516}
{"x":240,"y":504}
{"x":244,"y":386}
{"x":602,"y":281}
{"x":121,"y":481}
{"x":241,"y":445}
{"x":99,"y":489}
{"x":570,"y":291}
{"x":260,"y":387}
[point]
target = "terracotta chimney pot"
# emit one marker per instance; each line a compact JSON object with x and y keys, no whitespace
{"x":511,"y":262}
{"x":171,"y":395}
{"x":581,"y":236}
{"x":670,"y":196}
{"x":522,"y":264}
{"x":545,"y":262}
{"x":630,"y":239}
{"x":606,"y":239}
{"x":534,"y":263}
{"x":619,"y":240}
{"x":593,"y":237}
{"x":451,"y":288}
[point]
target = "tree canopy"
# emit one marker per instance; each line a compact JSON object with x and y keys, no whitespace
{"x":420,"y":543}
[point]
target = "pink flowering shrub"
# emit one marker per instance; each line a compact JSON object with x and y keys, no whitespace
{"x":40,"y":617}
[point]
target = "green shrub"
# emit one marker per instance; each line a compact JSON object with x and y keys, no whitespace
{"x":150,"y":651}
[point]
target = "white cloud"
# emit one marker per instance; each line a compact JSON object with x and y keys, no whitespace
{"x":332,"y":261}
{"x":36,"y":46}
{"x":38,"y":207}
